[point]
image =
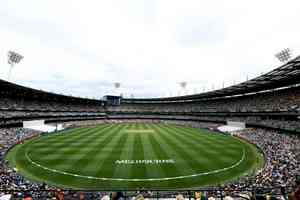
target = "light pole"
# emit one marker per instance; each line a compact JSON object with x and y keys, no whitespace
{"x":13,"y":59}
{"x":183,"y":86}
{"x":117,"y":86}
{"x":284,"y":55}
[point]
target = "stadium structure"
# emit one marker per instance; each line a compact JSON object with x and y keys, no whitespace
{"x":238,"y":142}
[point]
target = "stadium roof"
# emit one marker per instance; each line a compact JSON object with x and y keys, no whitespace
{"x":283,"y":76}
{"x":13,"y":90}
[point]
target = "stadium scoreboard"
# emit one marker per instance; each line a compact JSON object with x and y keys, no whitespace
{"x":110,"y":100}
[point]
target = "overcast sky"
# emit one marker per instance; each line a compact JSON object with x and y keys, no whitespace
{"x":149,"y":46}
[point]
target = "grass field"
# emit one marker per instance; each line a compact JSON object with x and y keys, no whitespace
{"x":134,"y":155}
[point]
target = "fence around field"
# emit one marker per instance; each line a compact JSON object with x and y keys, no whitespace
{"x":200,"y":194}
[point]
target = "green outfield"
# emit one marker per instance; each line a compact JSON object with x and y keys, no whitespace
{"x":134,"y":155}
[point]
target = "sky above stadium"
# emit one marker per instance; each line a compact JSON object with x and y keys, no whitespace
{"x":83,"y":47}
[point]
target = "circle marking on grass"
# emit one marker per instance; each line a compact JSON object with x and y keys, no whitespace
{"x":136,"y":179}
{"x":201,"y":158}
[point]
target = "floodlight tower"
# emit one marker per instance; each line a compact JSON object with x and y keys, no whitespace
{"x":285,"y":55}
{"x":117,"y":86}
{"x":183,"y":86}
{"x":13,"y":59}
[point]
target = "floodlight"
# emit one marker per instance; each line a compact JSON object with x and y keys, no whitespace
{"x":13,"y":59}
{"x":284,"y":55}
{"x":183,"y":84}
{"x":117,"y":85}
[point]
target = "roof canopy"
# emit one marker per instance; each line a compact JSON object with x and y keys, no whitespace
{"x":286,"y":75}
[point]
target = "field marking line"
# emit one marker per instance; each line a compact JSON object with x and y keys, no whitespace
{"x":139,"y":131}
{"x":136,"y":179}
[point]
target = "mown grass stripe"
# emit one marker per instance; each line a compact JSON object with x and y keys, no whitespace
{"x":203,"y":138}
{"x":138,"y":154}
{"x":67,"y":143}
{"x":59,"y":153}
{"x":123,"y":171}
{"x":191,"y":141}
{"x":99,"y":136}
{"x":89,"y":169}
{"x":153,"y":171}
{"x":203,"y":155}
{"x":70,"y":138}
{"x":69,"y":165}
{"x":65,"y":135}
{"x":195,"y":159}
{"x":101,"y":162}
{"x":212,"y":148}
{"x":222,"y":140}
{"x":174,"y":151}
{"x":210,"y":136}
{"x":56,"y":138}
{"x":104,"y":151}
{"x":163,"y":154}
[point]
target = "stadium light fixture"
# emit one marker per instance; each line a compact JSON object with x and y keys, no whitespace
{"x":13,"y":59}
{"x":285,"y":55}
{"x":183,"y":85}
{"x":117,"y":85}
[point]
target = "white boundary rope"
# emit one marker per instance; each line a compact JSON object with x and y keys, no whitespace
{"x":136,"y":179}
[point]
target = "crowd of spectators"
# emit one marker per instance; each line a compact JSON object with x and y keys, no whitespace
{"x":9,"y":178}
{"x":205,"y":125}
{"x":20,"y":104}
{"x":281,"y":172}
{"x":276,"y":109}
{"x":26,"y":114}
{"x":11,"y":117}
{"x":15,"y":110}
{"x":285,"y":100}
{"x":282,"y":154}
{"x":284,"y":124}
